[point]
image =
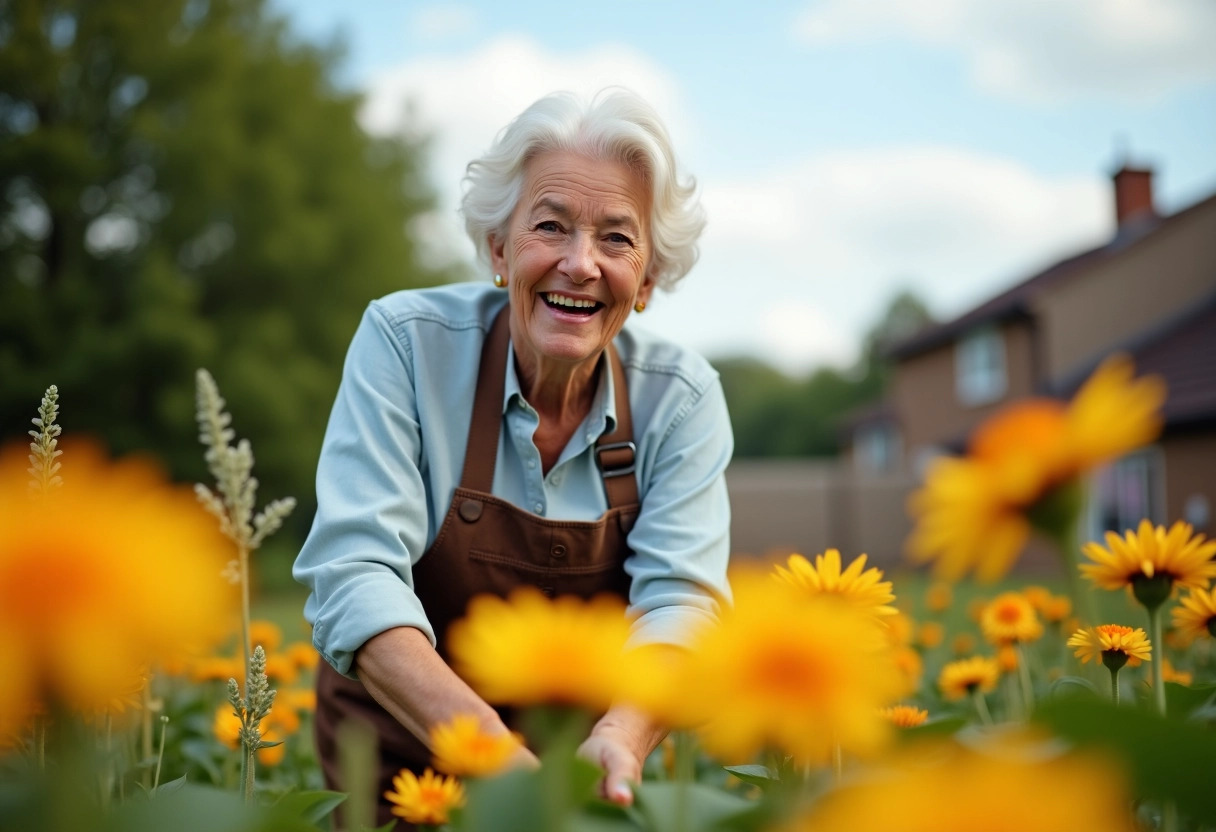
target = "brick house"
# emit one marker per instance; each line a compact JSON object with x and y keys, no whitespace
{"x":1149,"y":292}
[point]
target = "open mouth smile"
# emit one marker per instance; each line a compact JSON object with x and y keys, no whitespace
{"x":569,"y":305}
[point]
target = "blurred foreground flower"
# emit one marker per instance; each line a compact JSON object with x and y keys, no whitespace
{"x":463,"y":749}
{"x":861,"y":587}
{"x":784,"y":671}
{"x":905,"y":716}
{"x":428,"y":799}
{"x":109,"y":573}
{"x":1196,"y":616}
{"x":973,"y":791}
{"x":529,"y":650}
{"x":967,"y":676}
{"x":977,"y":512}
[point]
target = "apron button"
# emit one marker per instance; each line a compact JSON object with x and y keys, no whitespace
{"x":470,"y":511}
{"x":559,"y":551}
{"x":547,"y":591}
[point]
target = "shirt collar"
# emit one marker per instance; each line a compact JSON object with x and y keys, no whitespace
{"x":600,"y":419}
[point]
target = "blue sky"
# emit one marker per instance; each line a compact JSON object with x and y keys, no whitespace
{"x":845,"y":149}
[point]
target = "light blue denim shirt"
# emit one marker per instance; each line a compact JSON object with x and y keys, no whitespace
{"x":395,"y":447}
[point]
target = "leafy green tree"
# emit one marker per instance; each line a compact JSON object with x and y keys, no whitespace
{"x":184,"y":186}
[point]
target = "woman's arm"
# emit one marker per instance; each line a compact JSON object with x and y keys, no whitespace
{"x":402,"y":671}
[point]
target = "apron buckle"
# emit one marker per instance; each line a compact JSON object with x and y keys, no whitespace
{"x":620,"y":463}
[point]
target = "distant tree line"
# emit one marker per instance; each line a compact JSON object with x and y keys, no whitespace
{"x":776,"y":415}
{"x":182,"y":185}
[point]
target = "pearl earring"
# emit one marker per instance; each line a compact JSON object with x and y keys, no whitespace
{"x":500,"y":281}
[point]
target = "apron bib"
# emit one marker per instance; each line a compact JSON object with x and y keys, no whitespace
{"x":488,"y":545}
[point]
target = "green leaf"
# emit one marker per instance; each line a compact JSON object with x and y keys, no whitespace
{"x":170,"y":787}
{"x":674,"y":806}
{"x":754,"y":775}
{"x":933,"y":729}
{"x":1168,"y":759}
{"x":262,"y":745}
{"x":311,"y":805}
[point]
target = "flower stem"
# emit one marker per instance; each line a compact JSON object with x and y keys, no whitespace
{"x":247,"y":771}
{"x":160,"y":754}
{"x":243,"y":559}
{"x":1154,"y":630}
{"x":1114,"y":686}
{"x":838,"y":762}
{"x":1024,"y":678}
{"x":981,"y":706}
{"x":145,"y":729}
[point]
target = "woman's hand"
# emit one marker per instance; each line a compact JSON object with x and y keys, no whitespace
{"x":619,"y":743}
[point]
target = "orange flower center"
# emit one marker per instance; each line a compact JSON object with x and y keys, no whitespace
{"x":1008,"y":614}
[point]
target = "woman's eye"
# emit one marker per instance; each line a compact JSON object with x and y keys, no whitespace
{"x":617,"y":237}
{"x":548,"y":225}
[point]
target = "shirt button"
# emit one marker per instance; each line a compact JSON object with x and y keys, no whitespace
{"x":540,"y":507}
{"x":531,"y":463}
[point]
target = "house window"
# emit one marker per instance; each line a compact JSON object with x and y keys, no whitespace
{"x":979,"y":367}
{"x":1125,"y":492}
{"x":877,"y":448}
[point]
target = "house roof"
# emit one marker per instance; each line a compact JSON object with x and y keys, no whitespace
{"x":1183,"y":354}
{"x":1016,"y":301}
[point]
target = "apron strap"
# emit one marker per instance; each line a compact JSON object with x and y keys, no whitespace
{"x":615,"y":452}
{"x":481,"y":451}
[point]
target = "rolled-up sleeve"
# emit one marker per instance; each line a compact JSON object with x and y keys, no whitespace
{"x":681,"y":540}
{"x":371,"y":523}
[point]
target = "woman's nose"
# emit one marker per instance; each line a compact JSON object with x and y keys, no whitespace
{"x":579,"y":262}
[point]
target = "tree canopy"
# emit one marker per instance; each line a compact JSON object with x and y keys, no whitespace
{"x":184,"y":186}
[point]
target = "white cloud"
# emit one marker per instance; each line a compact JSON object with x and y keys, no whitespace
{"x":461,"y":101}
{"x":444,"y":20}
{"x":797,"y":260}
{"x":1043,"y":51}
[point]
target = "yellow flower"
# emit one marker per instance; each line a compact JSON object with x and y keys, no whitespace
{"x":899,"y":629}
{"x":303,"y":655}
{"x":1179,"y":677}
{"x":972,"y":513}
{"x":300,"y":700}
{"x":216,"y":668}
{"x":1056,"y":609}
{"x":864,"y":588}
{"x":971,"y":791}
{"x":905,"y":716}
{"x":1038,"y":596}
{"x":529,"y":650}
{"x":101,"y":579}
{"x":1007,"y":658}
{"x":427,"y":799}
{"x":1151,"y":552}
{"x":938,"y":597}
{"x":1010,"y":618}
{"x":786,"y":671}
{"x":1091,"y":643}
{"x":1196,"y":616}
{"x":909,"y":667}
{"x":959,"y":679}
{"x":266,"y":633}
{"x":930,"y":635}
{"x":963,"y":644}
{"x":463,"y":749}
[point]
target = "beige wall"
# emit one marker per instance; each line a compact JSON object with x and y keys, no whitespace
{"x":1190,"y":468}
{"x":1149,"y":283}
{"x":783,"y":506}
{"x":925,"y":401}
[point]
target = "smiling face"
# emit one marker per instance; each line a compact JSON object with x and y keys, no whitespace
{"x":575,"y":255}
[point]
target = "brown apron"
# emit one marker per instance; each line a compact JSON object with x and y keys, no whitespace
{"x":487,"y":545}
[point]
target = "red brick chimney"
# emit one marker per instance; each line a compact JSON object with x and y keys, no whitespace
{"x":1133,"y":194}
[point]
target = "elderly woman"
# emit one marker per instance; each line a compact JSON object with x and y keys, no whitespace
{"x":488,"y":437}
